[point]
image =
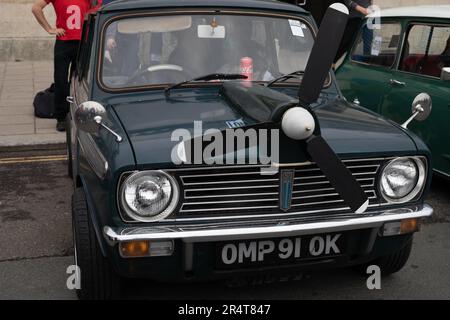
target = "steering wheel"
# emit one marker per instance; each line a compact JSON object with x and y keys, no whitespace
{"x":146,"y":72}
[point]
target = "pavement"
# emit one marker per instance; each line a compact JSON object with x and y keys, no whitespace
{"x":36,"y":247}
{"x":19,"y":82}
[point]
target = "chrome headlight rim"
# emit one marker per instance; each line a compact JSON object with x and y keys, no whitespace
{"x":135,"y":217}
{"x":421,"y":164}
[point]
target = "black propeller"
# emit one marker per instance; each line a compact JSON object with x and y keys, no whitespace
{"x":269,"y":108}
{"x":319,"y":65}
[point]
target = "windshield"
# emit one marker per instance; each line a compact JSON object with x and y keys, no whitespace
{"x":143,"y":51}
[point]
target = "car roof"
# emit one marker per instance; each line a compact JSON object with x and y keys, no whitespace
{"x":436,"y":11}
{"x":248,"y":4}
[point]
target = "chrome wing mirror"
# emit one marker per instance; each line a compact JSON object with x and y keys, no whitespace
{"x":421,"y":109}
{"x":445,"y":74}
{"x":89,"y":118}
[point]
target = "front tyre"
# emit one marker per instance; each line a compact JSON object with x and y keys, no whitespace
{"x":395,"y":261}
{"x":392,"y":262}
{"x":97,"y":278}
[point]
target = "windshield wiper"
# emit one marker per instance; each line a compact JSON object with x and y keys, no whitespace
{"x":285,"y":77}
{"x":209,"y":77}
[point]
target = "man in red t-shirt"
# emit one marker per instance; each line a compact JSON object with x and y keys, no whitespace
{"x":69,"y":25}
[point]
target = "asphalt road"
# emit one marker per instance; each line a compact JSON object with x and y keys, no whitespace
{"x":36,"y":247}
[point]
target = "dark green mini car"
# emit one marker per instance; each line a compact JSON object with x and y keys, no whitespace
{"x":408,"y":55}
{"x":174,"y":108}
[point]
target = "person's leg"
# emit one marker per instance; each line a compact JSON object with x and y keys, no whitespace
{"x":65,"y":58}
{"x":73,"y":59}
{"x":367,"y":39}
{"x":61,"y":72}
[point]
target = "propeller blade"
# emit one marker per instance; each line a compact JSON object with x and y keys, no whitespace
{"x":323,"y":53}
{"x":259,"y":103}
{"x":319,"y":65}
{"x":337,"y":173}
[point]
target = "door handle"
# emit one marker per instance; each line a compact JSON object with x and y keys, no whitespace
{"x":397,"y":83}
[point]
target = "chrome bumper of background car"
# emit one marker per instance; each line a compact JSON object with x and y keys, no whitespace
{"x":264,"y":229}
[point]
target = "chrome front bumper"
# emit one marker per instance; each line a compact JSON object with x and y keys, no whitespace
{"x":265,"y":229}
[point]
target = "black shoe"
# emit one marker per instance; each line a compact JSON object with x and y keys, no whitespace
{"x":61,"y":125}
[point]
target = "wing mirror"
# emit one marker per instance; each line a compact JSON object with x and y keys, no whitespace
{"x":445,"y":74}
{"x":421,"y":109}
{"x":89,"y":118}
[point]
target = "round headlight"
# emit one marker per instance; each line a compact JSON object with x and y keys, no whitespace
{"x":402,"y":179}
{"x":149,"y":195}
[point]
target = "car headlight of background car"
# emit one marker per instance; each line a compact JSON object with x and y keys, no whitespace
{"x":149,"y":195}
{"x":402,"y":179}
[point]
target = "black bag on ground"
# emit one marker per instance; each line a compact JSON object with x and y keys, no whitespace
{"x":44,"y":104}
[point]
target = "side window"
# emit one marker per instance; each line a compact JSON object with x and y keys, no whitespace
{"x":84,"y":51}
{"x":427,"y":50}
{"x":91,"y":64}
{"x":379,"y":46}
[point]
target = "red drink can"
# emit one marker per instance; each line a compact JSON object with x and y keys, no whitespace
{"x":246,"y":68}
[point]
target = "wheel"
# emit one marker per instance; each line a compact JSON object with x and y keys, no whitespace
{"x":394,"y":262}
{"x":97,"y":278}
{"x":390,"y":263}
{"x":69,"y":149}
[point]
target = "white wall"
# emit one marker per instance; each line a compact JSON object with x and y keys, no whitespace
{"x":398,"y":3}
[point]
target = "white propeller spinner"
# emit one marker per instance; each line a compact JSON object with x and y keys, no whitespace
{"x":298,"y":123}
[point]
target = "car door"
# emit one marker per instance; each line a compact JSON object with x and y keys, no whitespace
{"x":366,"y":73}
{"x":81,"y":82}
{"x":426,"y":50}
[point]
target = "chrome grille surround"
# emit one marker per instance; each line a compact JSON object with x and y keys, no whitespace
{"x":241,"y":192}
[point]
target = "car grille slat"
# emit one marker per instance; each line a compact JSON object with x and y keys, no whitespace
{"x":228,"y":188}
{"x":229,"y":182}
{"x":369,"y":182}
{"x":241,"y":191}
{"x":370,"y":195}
{"x":232,"y":195}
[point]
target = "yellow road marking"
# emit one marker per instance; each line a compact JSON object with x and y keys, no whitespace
{"x":33,"y":159}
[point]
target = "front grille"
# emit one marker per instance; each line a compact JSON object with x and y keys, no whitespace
{"x":243,"y":191}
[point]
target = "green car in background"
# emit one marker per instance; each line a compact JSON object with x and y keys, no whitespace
{"x":388,"y":66}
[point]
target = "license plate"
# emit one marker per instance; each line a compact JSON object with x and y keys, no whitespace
{"x":280,"y":250}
